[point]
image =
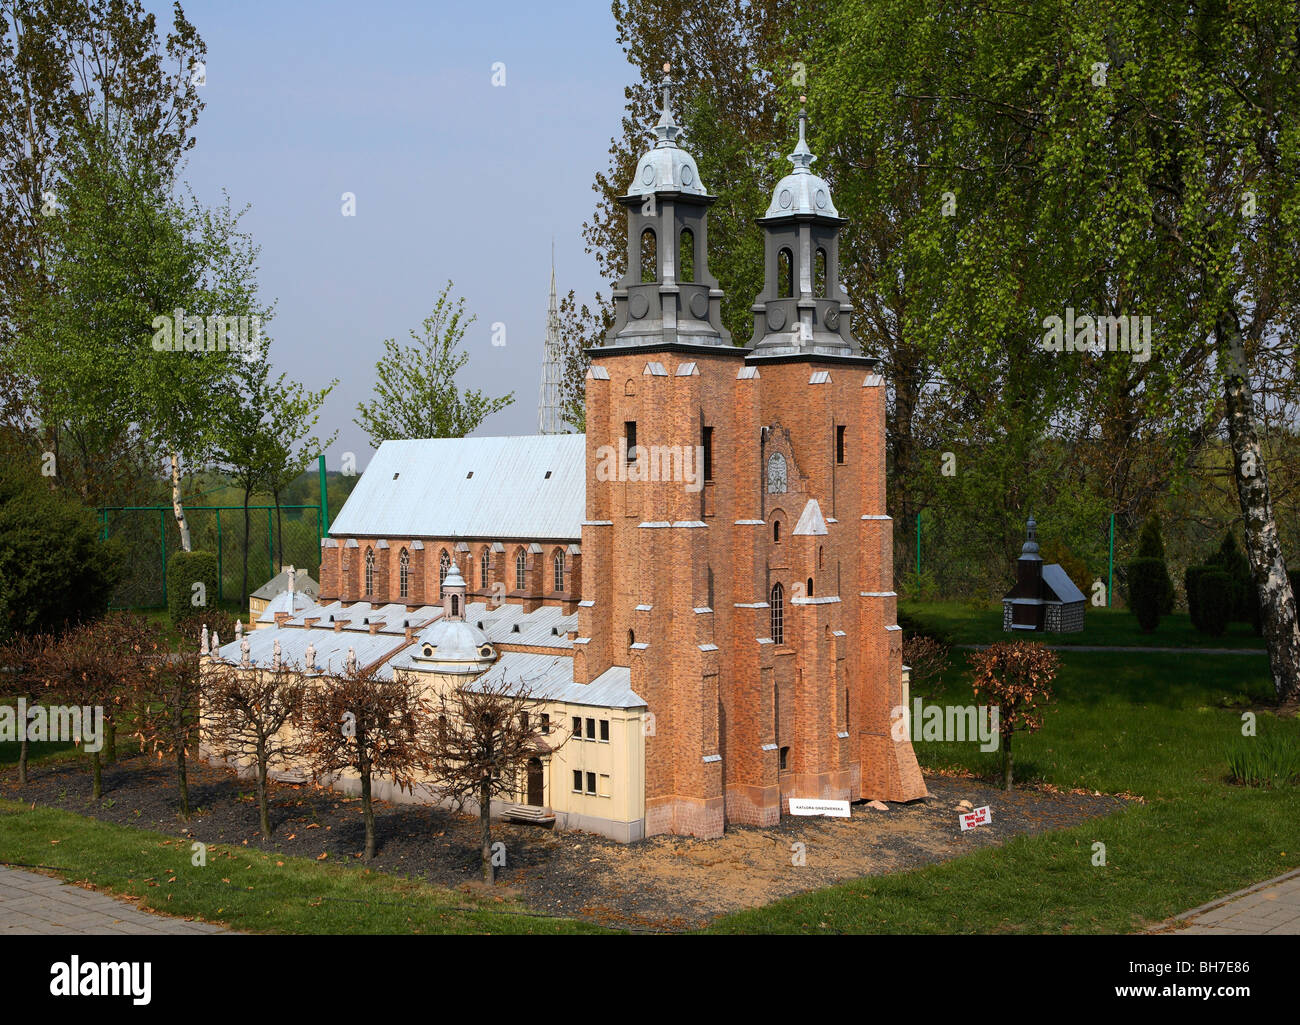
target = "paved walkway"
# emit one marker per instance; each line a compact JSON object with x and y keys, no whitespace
{"x":1271,"y":907}
{"x":1148,"y":651}
{"x":35,"y":904}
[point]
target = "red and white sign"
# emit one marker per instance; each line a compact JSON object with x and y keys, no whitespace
{"x":978,"y":817}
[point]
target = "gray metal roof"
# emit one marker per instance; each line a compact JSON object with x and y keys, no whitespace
{"x":331,"y":648}
{"x":303,"y":584}
{"x":1059,"y":581}
{"x":550,"y":678}
{"x":472,"y":488}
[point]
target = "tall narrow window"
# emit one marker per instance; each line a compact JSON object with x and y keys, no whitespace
{"x":776,"y":532}
{"x":686,"y":256}
{"x":444,"y":564}
{"x":810,"y":585}
{"x":404,"y":574}
{"x":629,"y":437}
{"x":784,"y":274}
{"x":710,"y":587}
{"x":521,"y":570}
{"x":819,"y":274}
{"x":484,"y":568}
{"x":649,"y":257}
{"x":846,"y":710}
{"x":455,"y":605}
{"x":706,"y":443}
{"x":370,"y":572}
{"x":559,"y":571}
{"x":839,"y":443}
{"x":777,"y":603}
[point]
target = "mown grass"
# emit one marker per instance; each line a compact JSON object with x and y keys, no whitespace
{"x":1155,"y":725}
{"x":958,"y":623}
{"x":250,"y":890}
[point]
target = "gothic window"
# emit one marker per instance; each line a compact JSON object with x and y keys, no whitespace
{"x":649,"y":257}
{"x":819,"y":274}
{"x":839,"y":443}
{"x":484,"y":569}
{"x":686,"y":256}
{"x":631,"y":638}
{"x":776,"y":532}
{"x":710,"y":587}
{"x":444,"y":564}
{"x":559,"y":571}
{"x":521,"y":570}
{"x":455,"y":605}
{"x":784,"y":274}
{"x":777,"y":603}
{"x":777,"y":475}
{"x":404,"y":574}
{"x":706,"y":443}
{"x":810,"y":589}
{"x":370,"y":572}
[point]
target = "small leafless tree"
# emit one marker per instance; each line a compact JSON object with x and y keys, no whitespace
{"x":168,"y":711}
{"x":21,"y":661}
{"x":359,"y":720}
{"x":254,"y":715}
{"x":478,"y":738}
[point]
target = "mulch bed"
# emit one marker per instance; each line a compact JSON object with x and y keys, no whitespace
{"x":665,"y":882}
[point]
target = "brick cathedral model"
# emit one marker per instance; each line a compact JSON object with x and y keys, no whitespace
{"x":736,"y":626}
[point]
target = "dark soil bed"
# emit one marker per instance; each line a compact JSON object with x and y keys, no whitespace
{"x":665,"y":882}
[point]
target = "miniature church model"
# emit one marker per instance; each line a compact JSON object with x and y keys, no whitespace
{"x":1044,"y":599}
{"x":709,"y":644}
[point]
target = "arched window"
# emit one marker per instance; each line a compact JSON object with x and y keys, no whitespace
{"x":631,"y":638}
{"x":521,"y":570}
{"x":404,"y":574}
{"x":649,"y":257}
{"x":819,"y":274}
{"x":776,"y":532}
{"x":710,"y":586}
{"x":821,"y":556}
{"x":686,"y":256}
{"x":784,"y":274}
{"x":559,"y":570}
{"x":370,"y":572}
{"x":444,"y":564}
{"x":777,"y":603}
{"x":484,"y":568}
{"x":810,"y":591}
{"x":455,"y":605}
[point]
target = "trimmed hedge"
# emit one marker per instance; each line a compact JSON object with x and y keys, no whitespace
{"x":184,"y":570}
{"x":1152,"y":546}
{"x":1147,"y":587}
{"x":1214,"y":593}
{"x":1190,"y":578}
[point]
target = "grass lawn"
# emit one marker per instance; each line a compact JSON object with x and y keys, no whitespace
{"x":1154,"y":725}
{"x":959,"y":623}
{"x":250,"y":890}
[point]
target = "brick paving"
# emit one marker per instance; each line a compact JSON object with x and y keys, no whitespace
{"x":35,"y":904}
{"x":1268,"y":908}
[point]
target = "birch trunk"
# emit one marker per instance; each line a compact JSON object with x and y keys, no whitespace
{"x":1277,"y":603}
{"x":177,"y":508}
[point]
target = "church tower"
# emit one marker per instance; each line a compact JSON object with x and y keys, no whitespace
{"x":549,"y":420}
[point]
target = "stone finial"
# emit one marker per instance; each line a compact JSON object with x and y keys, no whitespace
{"x":216,"y":641}
{"x":292,"y":576}
{"x":352,"y":661}
{"x":203,"y":641}
{"x":309,"y":657}
{"x":239,"y":629}
{"x":275,"y":654}
{"x":243,"y":652}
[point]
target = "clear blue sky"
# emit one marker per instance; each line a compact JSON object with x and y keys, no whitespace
{"x":454,"y":178}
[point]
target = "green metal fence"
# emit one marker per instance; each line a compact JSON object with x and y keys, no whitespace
{"x":151,"y":536}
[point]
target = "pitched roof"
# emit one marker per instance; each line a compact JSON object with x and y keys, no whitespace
{"x":302,"y":583}
{"x":1059,"y":582}
{"x":513,"y":488}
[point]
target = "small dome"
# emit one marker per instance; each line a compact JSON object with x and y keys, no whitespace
{"x":453,"y":577}
{"x":454,"y":640}
{"x":666,"y":167}
{"x":801,"y":191}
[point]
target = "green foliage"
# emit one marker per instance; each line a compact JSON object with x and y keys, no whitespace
{"x":54,"y":570}
{"x":1148,"y":584}
{"x":1214,"y":596}
{"x":185,"y":570}
{"x":1191,"y":586}
{"x":1232,"y":561}
{"x":416,"y":393}
{"x":1151,"y":545}
{"x":1271,"y":760}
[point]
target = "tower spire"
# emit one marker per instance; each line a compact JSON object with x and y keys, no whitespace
{"x":548,"y":403}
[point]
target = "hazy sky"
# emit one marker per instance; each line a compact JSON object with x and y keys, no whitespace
{"x":454,"y":177}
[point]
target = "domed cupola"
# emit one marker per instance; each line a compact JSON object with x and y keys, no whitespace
{"x":668,"y":296}
{"x":454,"y":646}
{"x":802,"y":310}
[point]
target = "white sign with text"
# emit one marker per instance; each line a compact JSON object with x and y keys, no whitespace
{"x":812,"y":806}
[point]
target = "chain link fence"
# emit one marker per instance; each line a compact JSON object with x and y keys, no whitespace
{"x":150,"y":537}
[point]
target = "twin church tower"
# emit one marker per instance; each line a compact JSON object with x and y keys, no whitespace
{"x":757,"y":613}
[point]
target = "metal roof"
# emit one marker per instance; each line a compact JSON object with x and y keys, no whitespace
{"x":303,"y":584}
{"x":472,"y":488}
{"x":1059,"y":581}
{"x":550,"y":678}
{"x":331,"y":648}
